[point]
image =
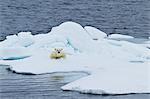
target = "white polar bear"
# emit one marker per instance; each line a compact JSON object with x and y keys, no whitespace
{"x":57,"y":54}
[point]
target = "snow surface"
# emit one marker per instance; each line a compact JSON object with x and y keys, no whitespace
{"x":115,"y":67}
{"x":14,"y":52}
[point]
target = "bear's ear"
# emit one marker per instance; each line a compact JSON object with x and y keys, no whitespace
{"x":61,"y":49}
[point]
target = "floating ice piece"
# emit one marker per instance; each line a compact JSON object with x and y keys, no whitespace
{"x":114,"y":81}
{"x":116,"y":67}
{"x":95,"y":33}
{"x":114,"y":36}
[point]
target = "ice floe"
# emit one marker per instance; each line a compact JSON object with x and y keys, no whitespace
{"x":115,"y":67}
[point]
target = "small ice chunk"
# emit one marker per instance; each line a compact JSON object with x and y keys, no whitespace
{"x":114,"y":36}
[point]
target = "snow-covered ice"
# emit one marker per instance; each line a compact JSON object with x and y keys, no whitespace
{"x":12,"y":53}
{"x":95,"y":33}
{"x":114,"y":67}
{"x":117,"y":80}
{"x":23,"y":39}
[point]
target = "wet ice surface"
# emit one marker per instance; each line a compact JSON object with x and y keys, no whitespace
{"x":47,"y":86}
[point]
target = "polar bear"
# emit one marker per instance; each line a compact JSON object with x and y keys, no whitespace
{"x":57,"y":54}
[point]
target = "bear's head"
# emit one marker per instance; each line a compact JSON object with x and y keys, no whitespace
{"x":58,"y":50}
{"x":57,"y":53}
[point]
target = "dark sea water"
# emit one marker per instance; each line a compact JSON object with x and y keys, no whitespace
{"x":131,"y":17}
